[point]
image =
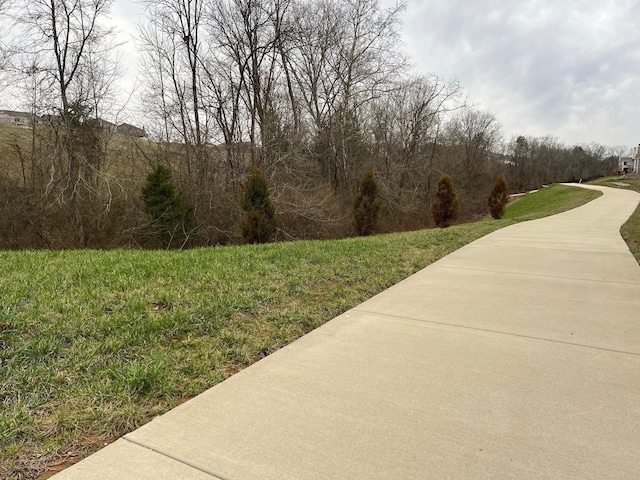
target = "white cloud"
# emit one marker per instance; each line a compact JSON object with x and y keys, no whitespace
{"x":542,"y":67}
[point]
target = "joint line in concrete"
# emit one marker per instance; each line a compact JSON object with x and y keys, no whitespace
{"x":165,"y":454}
{"x":539,"y":275}
{"x":531,"y":337}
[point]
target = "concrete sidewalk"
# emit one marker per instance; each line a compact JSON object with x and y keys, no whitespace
{"x":518,"y":356}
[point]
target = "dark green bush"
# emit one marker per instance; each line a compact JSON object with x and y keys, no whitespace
{"x":366,"y":205}
{"x":172,"y":220}
{"x":259,"y":222}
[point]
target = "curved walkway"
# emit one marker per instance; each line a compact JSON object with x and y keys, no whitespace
{"x":518,"y":356}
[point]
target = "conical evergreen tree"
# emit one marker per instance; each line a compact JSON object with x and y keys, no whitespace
{"x":172,"y":219}
{"x":366,"y":205}
{"x":259,"y":222}
{"x":444,"y":209}
{"x":498,"y":198}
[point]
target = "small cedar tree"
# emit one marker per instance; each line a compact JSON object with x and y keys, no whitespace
{"x":444,"y":209}
{"x":498,"y":198}
{"x":366,"y":205}
{"x":171,"y":217}
{"x":259,"y":221}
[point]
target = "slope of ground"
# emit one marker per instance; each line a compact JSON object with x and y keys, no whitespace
{"x":94,"y":344}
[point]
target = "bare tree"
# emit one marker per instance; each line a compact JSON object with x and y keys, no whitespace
{"x":244,"y":34}
{"x":618,"y":151}
{"x":475,"y":134}
{"x":345,"y":56}
{"x":172,"y":59}
{"x":550,"y":157}
{"x":73,"y":48}
{"x":406,"y":127}
{"x":4,"y":50}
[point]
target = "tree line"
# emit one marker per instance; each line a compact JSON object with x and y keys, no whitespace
{"x":315,"y":94}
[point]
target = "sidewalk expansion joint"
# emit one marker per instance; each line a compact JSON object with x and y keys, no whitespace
{"x":499,"y":332}
{"x":568,"y":248}
{"x":539,"y":275}
{"x":171,"y":457}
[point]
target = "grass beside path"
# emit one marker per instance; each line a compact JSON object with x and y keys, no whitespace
{"x":95,"y":343}
{"x":619,"y":182}
{"x":630,"y":231}
{"x":550,"y":200}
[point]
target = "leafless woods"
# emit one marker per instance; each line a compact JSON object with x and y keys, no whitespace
{"x":314,"y":92}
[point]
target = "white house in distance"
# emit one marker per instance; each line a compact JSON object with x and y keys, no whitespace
{"x":22,"y":119}
{"x":630,"y":164}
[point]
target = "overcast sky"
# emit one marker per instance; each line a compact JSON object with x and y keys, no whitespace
{"x":568,"y":68}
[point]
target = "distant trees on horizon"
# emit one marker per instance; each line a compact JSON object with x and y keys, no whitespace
{"x":313,"y":92}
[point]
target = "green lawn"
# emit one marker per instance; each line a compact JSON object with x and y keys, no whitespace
{"x":552,"y":199}
{"x":95,"y":343}
{"x":619,"y":182}
{"x":631,"y":229}
{"x":631,"y":233}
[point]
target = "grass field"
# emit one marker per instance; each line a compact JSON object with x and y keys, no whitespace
{"x":124,"y":157}
{"x":96,"y":343}
{"x":631,"y":233}
{"x":551,"y":200}
{"x":631,"y":229}
{"x":619,"y":182}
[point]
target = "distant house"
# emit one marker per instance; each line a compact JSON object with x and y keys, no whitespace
{"x":112,"y":127}
{"x":9,"y":117}
{"x":630,"y":164}
{"x":23,"y":119}
{"x":131,"y":130}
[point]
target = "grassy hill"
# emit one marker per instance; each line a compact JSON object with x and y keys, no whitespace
{"x":631,"y":229}
{"x":36,"y":210}
{"x":96,"y":343}
{"x":16,"y":141}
